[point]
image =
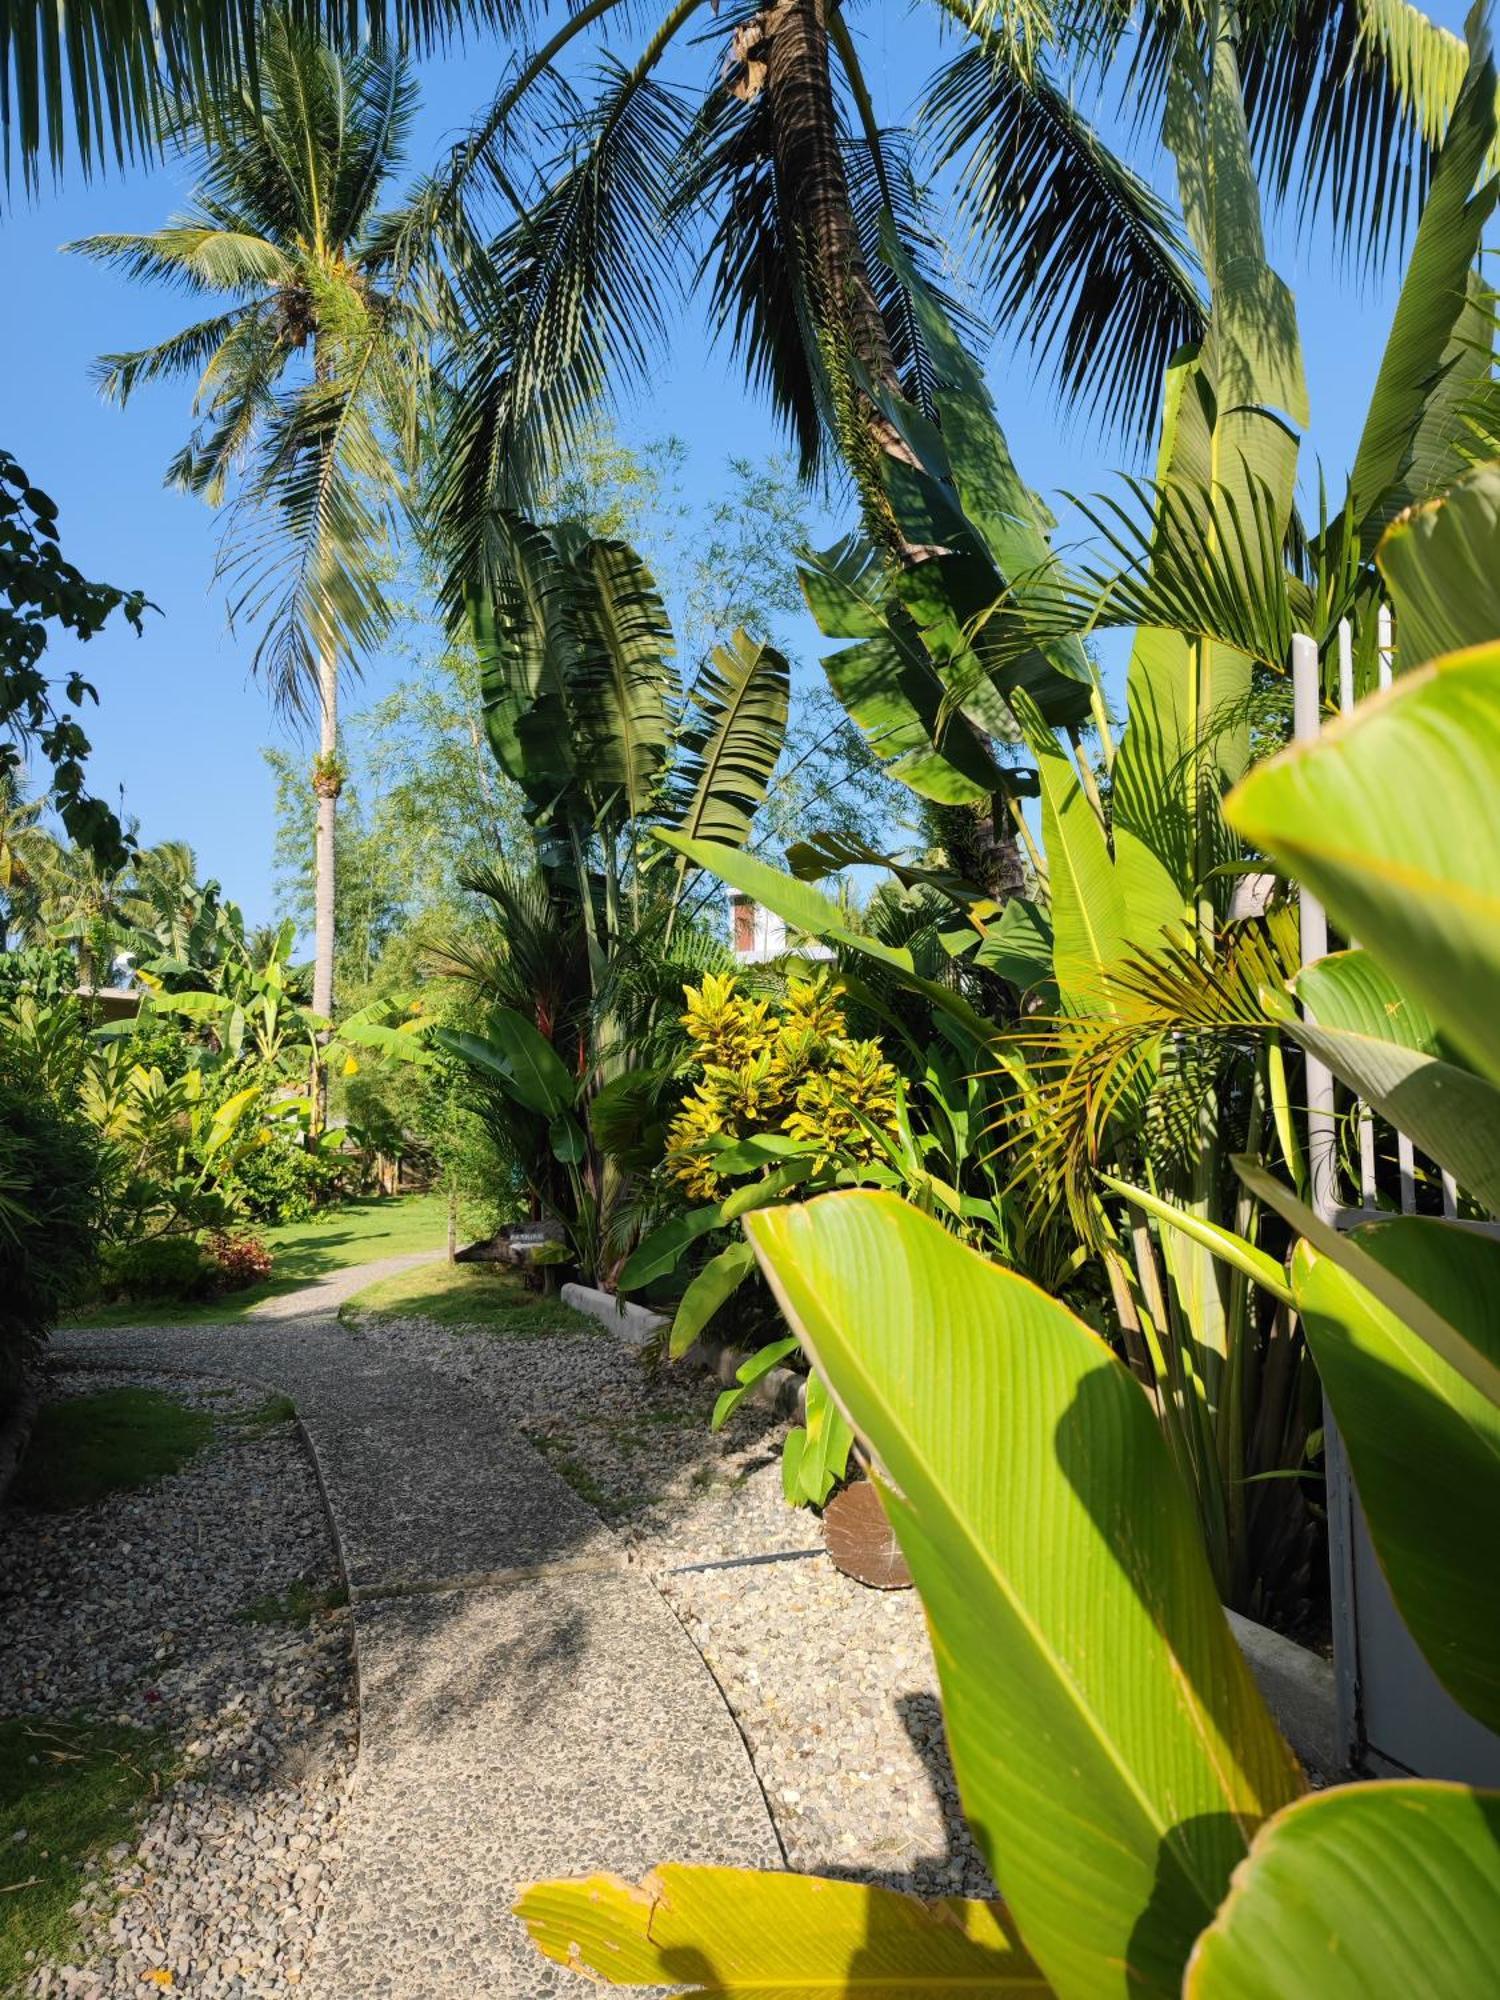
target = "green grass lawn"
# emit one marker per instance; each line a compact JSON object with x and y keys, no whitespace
{"x":486,"y":1298}
{"x":85,"y":1447}
{"x":71,"y":1789}
{"x":356,"y":1232}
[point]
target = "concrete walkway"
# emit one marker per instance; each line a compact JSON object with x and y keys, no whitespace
{"x":528,"y":1704}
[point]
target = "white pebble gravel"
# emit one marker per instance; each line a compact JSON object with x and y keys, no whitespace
{"x":832,"y":1684}
{"x":131,"y":1611}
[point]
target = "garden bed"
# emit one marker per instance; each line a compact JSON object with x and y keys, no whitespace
{"x":179,"y":1688}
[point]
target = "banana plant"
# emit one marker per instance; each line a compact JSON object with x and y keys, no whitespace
{"x":252,"y":1013}
{"x":1384,"y":818}
{"x":1150,"y":1034}
{"x":1146,"y":1827}
{"x":585,"y":710}
{"x":172,"y":1142}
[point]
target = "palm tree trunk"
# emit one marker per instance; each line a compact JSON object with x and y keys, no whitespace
{"x":790,"y":38}
{"x":327,"y":784}
{"x":792,"y":42}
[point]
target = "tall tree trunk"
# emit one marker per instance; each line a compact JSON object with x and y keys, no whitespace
{"x":785,"y":52}
{"x":790,"y":39}
{"x":327,"y":784}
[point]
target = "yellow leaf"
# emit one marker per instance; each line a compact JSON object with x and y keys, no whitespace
{"x":719,"y":1932}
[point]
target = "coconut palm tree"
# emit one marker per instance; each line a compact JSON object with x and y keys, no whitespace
{"x":306,"y":376}
{"x":780,"y":189}
{"x":807,"y":219}
{"x":27,"y":853}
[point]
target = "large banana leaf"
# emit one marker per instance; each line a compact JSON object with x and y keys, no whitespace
{"x":732,"y":1934}
{"x":1019,"y":946}
{"x":1438,"y":346}
{"x":730,"y":753}
{"x":1441,"y":564}
{"x":1226,"y":468}
{"x":1378,"y":1041}
{"x":1112,"y":1754}
{"x":1363,"y":1891}
{"x":526,"y":650}
{"x":889,"y":683}
{"x":1001,"y":510}
{"x":1390,"y":818}
{"x":623,"y":683}
{"x":1151,"y":803}
{"x":1088,"y":911}
{"x":519,"y":1058}
{"x":1424,"y":1443}
{"x":1457,"y":1337}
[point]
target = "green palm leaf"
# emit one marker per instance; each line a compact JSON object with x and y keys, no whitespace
{"x":1081,"y":257}
{"x":103,"y":76}
{"x":564,"y":303}
{"x":731,"y":748}
{"x":1438,"y":347}
{"x":1112,"y":1755}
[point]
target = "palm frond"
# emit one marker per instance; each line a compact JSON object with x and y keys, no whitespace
{"x":236,"y":396}
{"x":1126,"y":1075}
{"x":99,"y":78}
{"x":307,"y":528}
{"x":193,"y":254}
{"x":565,"y":306}
{"x":1179,"y":556}
{"x":752,"y":266}
{"x":885,"y":194}
{"x":522,"y":953}
{"x":1080,"y":255}
{"x":186,"y":353}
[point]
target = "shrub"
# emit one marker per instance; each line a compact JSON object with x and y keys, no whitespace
{"x":241,"y":1260}
{"x":47,"y":973}
{"x":280,"y":1182}
{"x":50,"y":1174}
{"x":158,"y":1267}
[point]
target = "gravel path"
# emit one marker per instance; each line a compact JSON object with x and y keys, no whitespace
{"x":133,"y":1611}
{"x":552,"y":1563}
{"x":832,"y":1684}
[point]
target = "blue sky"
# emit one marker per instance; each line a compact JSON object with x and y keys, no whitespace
{"x":180,"y":723}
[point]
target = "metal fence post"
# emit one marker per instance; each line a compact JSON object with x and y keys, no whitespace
{"x":1322,"y":1171}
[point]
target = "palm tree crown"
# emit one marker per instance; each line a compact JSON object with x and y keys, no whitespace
{"x":307,"y":378}
{"x":299,"y":383}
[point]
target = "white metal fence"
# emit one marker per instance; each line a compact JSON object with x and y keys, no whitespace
{"x":1393,"y":1712}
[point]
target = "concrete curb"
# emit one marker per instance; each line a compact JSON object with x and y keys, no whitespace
{"x":631,"y":1325}
{"x":780,"y":1389}
{"x":1297,"y":1686}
